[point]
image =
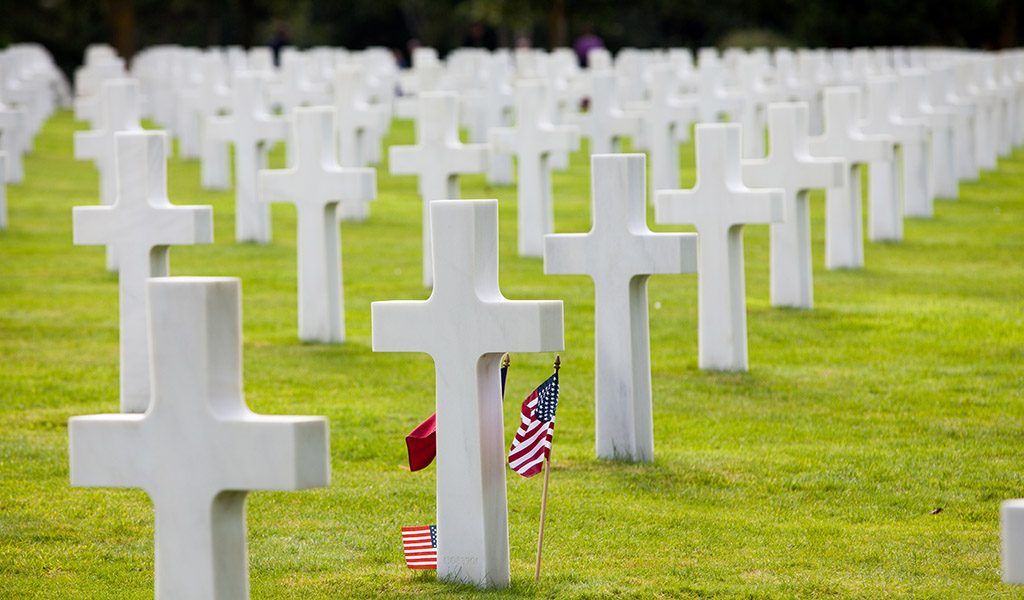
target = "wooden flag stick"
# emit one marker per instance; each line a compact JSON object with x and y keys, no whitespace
{"x":543,"y":513}
{"x":544,"y":495}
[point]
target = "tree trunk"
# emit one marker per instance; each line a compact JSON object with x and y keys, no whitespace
{"x":558,"y":31}
{"x":122,"y":26}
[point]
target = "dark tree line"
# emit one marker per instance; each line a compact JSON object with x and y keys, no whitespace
{"x":67,"y":26}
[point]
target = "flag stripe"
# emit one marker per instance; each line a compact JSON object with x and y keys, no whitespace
{"x":532,"y":443}
{"x":420,"y":546}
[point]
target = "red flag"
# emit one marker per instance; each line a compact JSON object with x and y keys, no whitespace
{"x":422,"y":444}
{"x":422,"y":441}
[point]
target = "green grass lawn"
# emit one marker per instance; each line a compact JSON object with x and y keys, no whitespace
{"x":814,"y":475}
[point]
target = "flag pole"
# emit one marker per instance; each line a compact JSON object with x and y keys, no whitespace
{"x":544,"y":495}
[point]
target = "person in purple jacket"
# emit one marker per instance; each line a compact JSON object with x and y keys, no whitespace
{"x":587,"y":41}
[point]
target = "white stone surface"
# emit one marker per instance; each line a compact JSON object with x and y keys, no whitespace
{"x":316,"y":184}
{"x":619,"y":253}
{"x":118,"y":111}
{"x":718,"y":206}
{"x":900,"y":183}
{"x":915,"y":102}
{"x":843,"y":138}
{"x":497,"y":99}
{"x":532,"y":140}
{"x":966,"y":121}
{"x":214,"y":96}
{"x":3,"y":191}
{"x":1011,"y":518}
{"x":13,"y":130}
{"x":666,"y":122}
{"x":250,"y":128}
{"x":359,"y":125}
{"x":438,"y":158}
{"x":466,"y":325}
{"x":605,"y":123}
{"x":199,"y":450}
{"x":140,"y":226}
{"x":89,"y":79}
{"x":790,"y":167}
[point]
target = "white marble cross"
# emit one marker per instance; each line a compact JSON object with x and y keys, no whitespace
{"x":532,"y":140}
{"x":843,"y":138}
{"x":900,"y":182}
{"x":1011,"y":533}
{"x":966,"y":121}
{"x":119,"y":111}
{"x":13,"y":131}
{"x":605,"y":123}
{"x":316,"y":184}
{"x":359,"y":126}
{"x":719,"y":205}
{"x":199,"y":450}
{"x":619,"y":254}
{"x":916,"y":102}
{"x":666,"y":121}
{"x":3,"y":191}
{"x":357,"y":120}
{"x":89,"y":83}
{"x":213,"y":96}
{"x":438,"y":158}
{"x":465,"y":326}
{"x":790,"y":167}
{"x":250,"y":128}
{"x":140,"y":226}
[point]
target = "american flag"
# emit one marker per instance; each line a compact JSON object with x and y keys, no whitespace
{"x":533,"y":439}
{"x":420,"y":544}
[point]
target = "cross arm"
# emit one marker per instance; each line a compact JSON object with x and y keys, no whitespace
{"x":502,"y":139}
{"x":752,"y":207}
{"x":106,"y":451}
{"x":564,"y":138}
{"x":268,"y":452}
{"x":875,"y":147}
{"x":671,"y":253}
{"x":220,"y":128}
{"x":86,"y":108}
{"x":582,"y":120}
{"x":88,"y":144}
{"x":89,"y":225}
{"x":272,"y":129}
{"x":399,"y":326}
{"x":525,"y":326}
{"x":402,"y":159}
{"x":470,"y":158}
{"x":353,"y":184}
{"x":276,"y":185}
{"x":182,"y":224}
{"x":405,"y":108}
{"x":626,"y":123}
{"x":674,"y":207}
{"x":683,"y":112}
{"x":566,"y":254}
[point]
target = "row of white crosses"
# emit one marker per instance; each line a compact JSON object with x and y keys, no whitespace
{"x":665,"y":107}
{"x":473,"y":528}
{"x":184,"y":433}
{"x":31,"y":88}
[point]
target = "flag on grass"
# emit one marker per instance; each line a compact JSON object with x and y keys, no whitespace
{"x":532,"y":443}
{"x":422,"y":441}
{"x":420,"y":544}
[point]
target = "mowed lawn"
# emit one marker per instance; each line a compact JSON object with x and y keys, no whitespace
{"x":864,"y":455}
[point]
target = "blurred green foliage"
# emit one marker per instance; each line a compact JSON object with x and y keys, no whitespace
{"x":67,"y":26}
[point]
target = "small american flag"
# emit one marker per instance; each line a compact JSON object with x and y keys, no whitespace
{"x":533,"y":439}
{"x":420,"y":544}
